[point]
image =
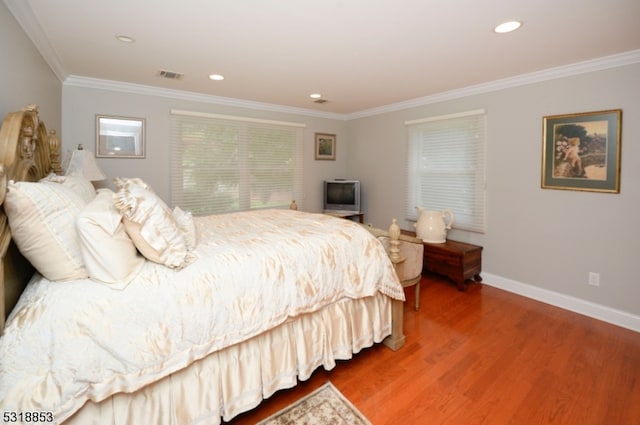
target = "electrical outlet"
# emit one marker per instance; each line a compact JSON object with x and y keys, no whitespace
{"x":594,"y":279}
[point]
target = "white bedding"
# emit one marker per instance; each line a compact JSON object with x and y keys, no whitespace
{"x":69,"y":342}
{"x":237,"y":378}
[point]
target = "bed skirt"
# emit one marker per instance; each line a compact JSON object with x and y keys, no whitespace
{"x":236,"y":379}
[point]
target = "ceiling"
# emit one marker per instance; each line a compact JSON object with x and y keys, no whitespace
{"x":359,"y":54}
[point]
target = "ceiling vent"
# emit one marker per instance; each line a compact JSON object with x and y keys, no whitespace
{"x":171,"y":75}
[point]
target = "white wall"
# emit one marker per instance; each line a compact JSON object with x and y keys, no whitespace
{"x":25,"y":76}
{"x":538,"y":240}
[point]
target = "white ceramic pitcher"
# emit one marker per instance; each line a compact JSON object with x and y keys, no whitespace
{"x":432,"y":226}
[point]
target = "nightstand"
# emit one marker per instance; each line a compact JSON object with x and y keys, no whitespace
{"x":458,"y":261}
{"x":348,"y":215}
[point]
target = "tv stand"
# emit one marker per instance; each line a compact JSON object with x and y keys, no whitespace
{"x":347,"y":214}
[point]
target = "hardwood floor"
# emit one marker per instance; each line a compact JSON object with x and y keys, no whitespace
{"x":485,"y":356}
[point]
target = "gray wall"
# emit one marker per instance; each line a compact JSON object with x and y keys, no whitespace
{"x":539,"y":242}
{"x":82,"y":103}
{"x":25,"y":77}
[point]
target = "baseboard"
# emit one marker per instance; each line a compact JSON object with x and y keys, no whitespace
{"x":567,"y":302}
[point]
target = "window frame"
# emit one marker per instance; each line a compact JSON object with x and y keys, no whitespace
{"x":230,"y":152}
{"x":439,"y":183}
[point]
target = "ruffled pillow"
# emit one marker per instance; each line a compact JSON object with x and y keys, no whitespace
{"x":109,"y":254}
{"x":151,"y":224}
{"x":42,"y":219}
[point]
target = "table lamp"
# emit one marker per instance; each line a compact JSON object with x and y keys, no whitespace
{"x":82,"y":162}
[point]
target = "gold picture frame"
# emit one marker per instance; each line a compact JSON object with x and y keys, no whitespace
{"x":581,"y":151}
{"x":120,"y":137}
{"x":325,"y":146}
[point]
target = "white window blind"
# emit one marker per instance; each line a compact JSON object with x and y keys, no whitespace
{"x":446,"y":167}
{"x":223,"y":163}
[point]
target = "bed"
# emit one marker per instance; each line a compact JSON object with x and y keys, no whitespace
{"x":120,"y":310}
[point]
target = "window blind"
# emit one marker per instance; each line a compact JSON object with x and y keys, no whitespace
{"x":446,"y":167}
{"x":224,"y":163}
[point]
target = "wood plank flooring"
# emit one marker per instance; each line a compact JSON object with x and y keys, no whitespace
{"x":485,"y":356}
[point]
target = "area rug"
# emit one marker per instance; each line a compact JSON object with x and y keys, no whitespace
{"x":324,"y":406}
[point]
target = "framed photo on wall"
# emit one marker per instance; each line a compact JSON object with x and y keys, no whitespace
{"x":325,"y":146}
{"x":581,"y":151}
{"x":120,"y":137}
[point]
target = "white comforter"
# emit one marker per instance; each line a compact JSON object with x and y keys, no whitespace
{"x":67,"y":342}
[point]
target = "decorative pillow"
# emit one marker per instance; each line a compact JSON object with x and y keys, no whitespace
{"x":121,"y":182}
{"x":79,"y":184}
{"x":150,"y":224}
{"x":109,"y":254}
{"x":187,"y":226}
{"x":42,"y":219}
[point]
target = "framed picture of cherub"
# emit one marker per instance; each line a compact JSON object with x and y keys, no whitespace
{"x":582,"y":151}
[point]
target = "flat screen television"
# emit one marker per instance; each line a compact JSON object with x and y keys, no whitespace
{"x":342,"y":196}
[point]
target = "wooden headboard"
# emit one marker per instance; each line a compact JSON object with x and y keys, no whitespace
{"x":27,"y":153}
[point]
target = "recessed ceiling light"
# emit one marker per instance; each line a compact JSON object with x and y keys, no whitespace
{"x":507,"y":27}
{"x":315,"y":96}
{"x":125,"y":38}
{"x":216,"y":77}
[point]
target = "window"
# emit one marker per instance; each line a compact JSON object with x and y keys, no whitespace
{"x":446,"y":167}
{"x":222,"y":163}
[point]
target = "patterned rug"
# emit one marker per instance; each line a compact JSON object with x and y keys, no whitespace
{"x":324,"y":406}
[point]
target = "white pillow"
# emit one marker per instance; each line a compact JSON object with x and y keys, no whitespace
{"x":109,"y":254}
{"x":42,"y":219}
{"x":79,"y":184}
{"x":150,"y":224}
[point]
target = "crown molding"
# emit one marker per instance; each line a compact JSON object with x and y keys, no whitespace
{"x":119,"y":86}
{"x":599,"y":64}
{"x":607,"y":62}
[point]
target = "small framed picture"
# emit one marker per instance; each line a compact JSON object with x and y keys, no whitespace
{"x":325,"y":146}
{"x":582,"y":151}
{"x":120,"y":137}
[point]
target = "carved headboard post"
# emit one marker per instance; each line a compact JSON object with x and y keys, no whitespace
{"x":27,"y":153}
{"x":54,"y":150}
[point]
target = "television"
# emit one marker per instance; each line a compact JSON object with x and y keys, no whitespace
{"x":342,"y":196}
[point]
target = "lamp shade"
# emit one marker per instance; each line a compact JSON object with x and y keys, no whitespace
{"x":82,"y":162}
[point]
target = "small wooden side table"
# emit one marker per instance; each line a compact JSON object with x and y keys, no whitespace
{"x":458,"y":261}
{"x":350,"y":216}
